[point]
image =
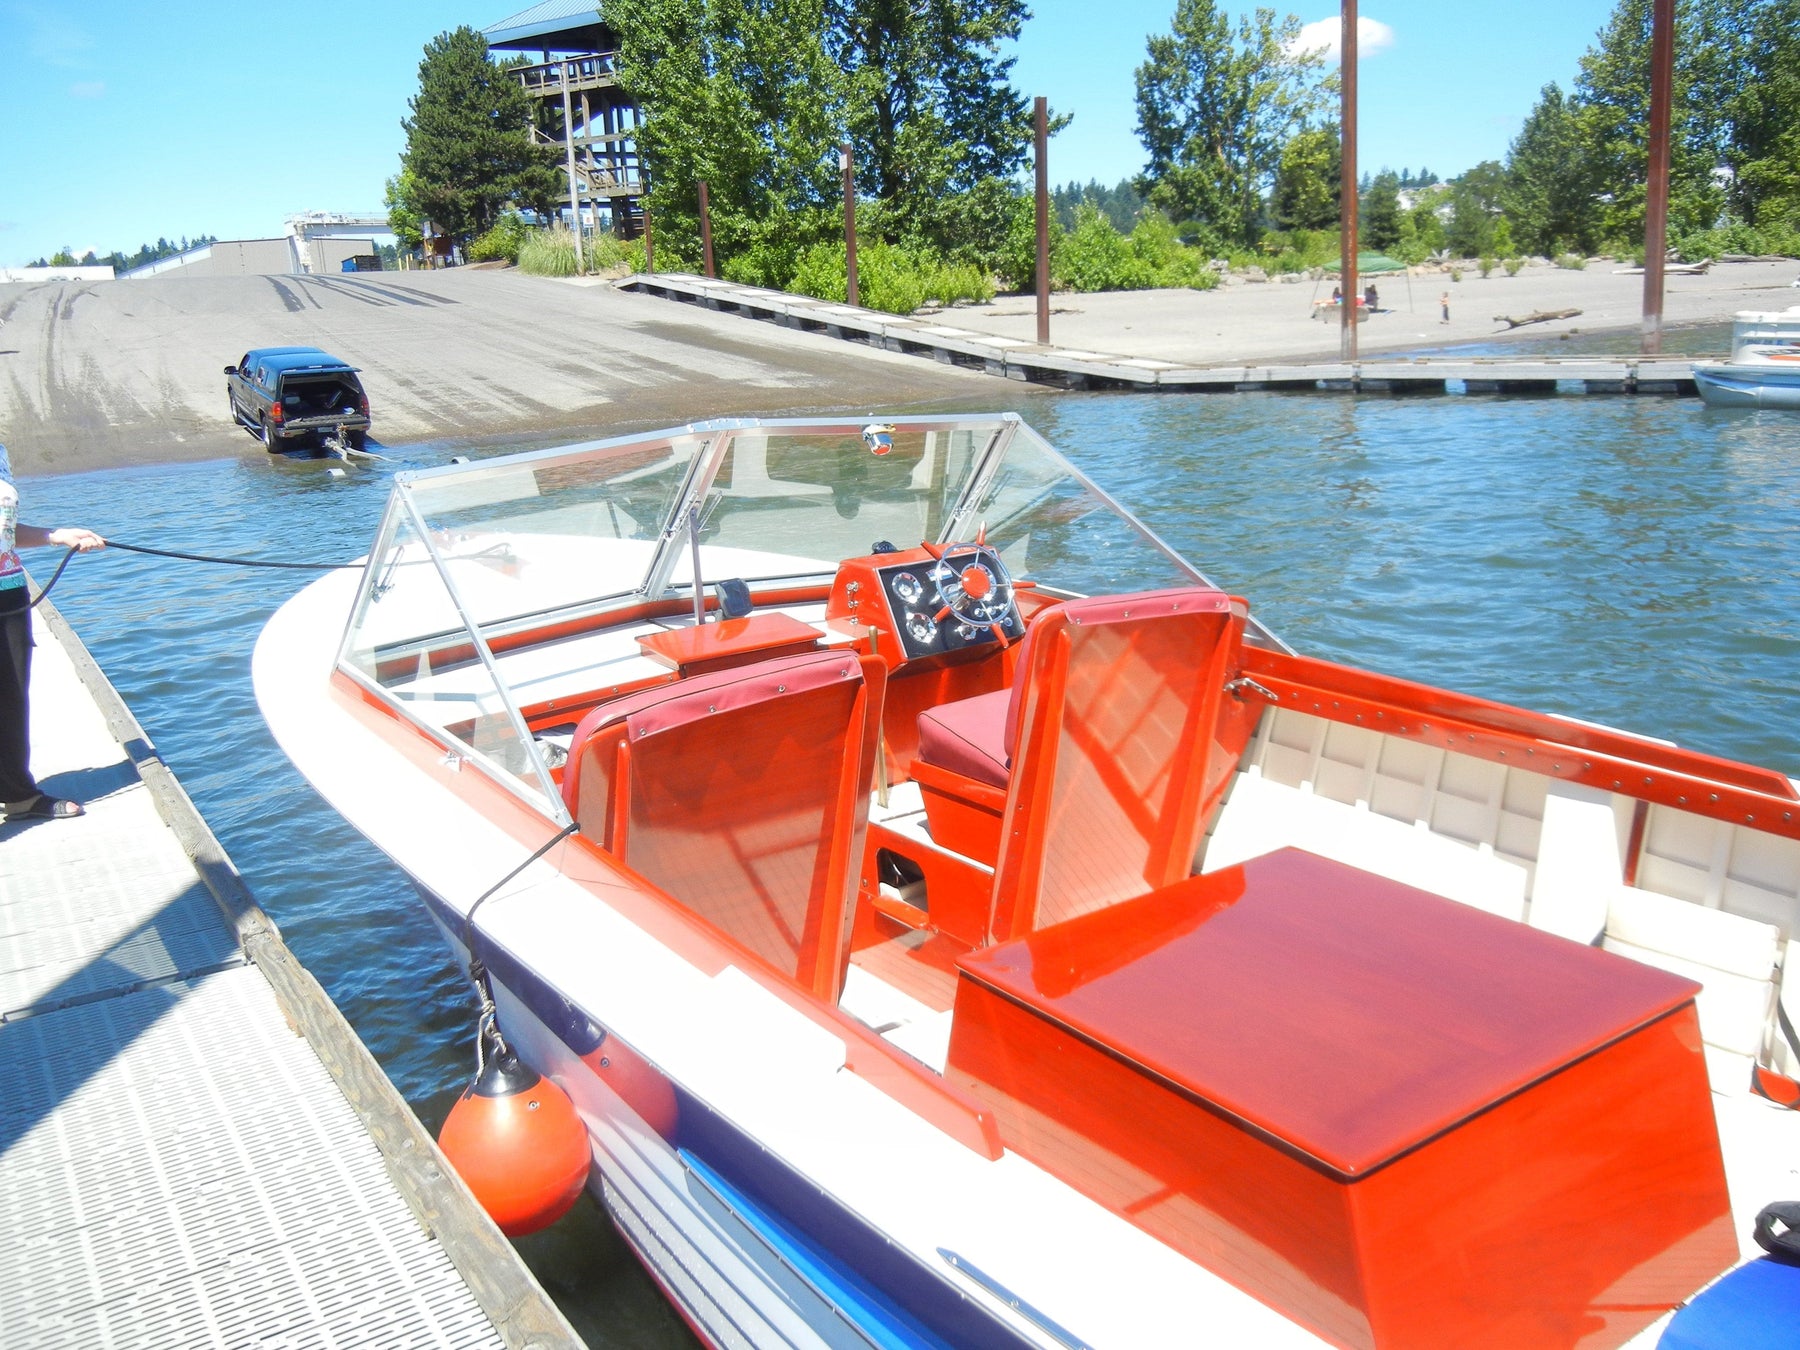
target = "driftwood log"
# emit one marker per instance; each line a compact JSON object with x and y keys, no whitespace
{"x":1538,"y":316}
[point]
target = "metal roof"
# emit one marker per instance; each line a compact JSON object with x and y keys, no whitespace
{"x":553,"y":25}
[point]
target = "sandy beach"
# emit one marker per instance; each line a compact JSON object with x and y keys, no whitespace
{"x":98,"y":374}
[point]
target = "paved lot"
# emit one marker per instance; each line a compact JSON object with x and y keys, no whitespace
{"x":103,"y":373}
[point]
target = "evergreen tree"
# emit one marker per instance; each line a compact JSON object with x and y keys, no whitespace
{"x":1549,"y":194}
{"x":468,"y":142}
{"x":1306,"y":181}
{"x":1215,"y":110}
{"x":1379,"y":211}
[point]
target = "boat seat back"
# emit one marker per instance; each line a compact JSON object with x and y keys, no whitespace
{"x":1105,"y":747}
{"x":743,"y":794}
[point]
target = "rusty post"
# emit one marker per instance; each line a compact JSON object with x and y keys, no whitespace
{"x":1043,"y":226}
{"x":649,"y":238}
{"x":848,"y":165}
{"x":1656,"y":195}
{"x":1347,"y":184}
{"x":705,"y":230}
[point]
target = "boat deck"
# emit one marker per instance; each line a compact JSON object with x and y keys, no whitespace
{"x":179,"y":1167}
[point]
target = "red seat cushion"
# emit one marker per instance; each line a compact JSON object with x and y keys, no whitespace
{"x":968,"y":737}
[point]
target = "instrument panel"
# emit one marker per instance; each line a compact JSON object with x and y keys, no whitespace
{"x":944,"y":605}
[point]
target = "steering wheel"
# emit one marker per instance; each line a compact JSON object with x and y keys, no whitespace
{"x":976,"y":592}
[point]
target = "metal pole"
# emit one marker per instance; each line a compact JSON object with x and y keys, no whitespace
{"x":649,"y":238}
{"x":1043,"y":225}
{"x":1656,"y":196}
{"x":705,"y":229}
{"x":569,"y":159}
{"x":693,"y":524}
{"x":1347,"y":186}
{"x":847,"y":164}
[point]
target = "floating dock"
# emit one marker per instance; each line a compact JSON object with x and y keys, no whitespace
{"x":195,"y":1148}
{"x":1066,"y":368}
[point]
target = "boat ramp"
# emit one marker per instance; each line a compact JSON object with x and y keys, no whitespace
{"x":195,"y":1148}
{"x":939,"y":339}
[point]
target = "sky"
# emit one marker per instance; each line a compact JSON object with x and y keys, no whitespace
{"x":122,"y":122}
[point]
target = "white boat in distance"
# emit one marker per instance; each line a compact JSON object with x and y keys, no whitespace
{"x":979,"y":931}
{"x":1764,"y":369}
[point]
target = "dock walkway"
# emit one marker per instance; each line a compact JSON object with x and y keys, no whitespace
{"x":195,"y":1149}
{"x":939,"y":338}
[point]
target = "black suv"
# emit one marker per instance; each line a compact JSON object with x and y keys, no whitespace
{"x":291,"y":396}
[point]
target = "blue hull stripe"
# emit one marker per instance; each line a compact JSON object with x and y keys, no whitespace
{"x":931,"y":1307}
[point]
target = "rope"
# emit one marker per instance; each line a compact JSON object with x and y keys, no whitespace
{"x":488,"y":1021}
{"x":188,"y":557}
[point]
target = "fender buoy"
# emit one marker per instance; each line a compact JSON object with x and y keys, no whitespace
{"x":515,"y":1139}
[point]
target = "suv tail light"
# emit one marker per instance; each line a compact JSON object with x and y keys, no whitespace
{"x":275,"y":412}
{"x":362,"y":403}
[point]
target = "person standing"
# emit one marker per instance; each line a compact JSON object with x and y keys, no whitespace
{"x":1444,"y":301}
{"x":20,"y":796}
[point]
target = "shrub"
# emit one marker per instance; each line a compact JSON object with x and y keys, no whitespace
{"x":501,"y":242}
{"x":1513,"y":265}
{"x":1571,"y":262}
{"x":1487,"y":266}
{"x":548,"y":253}
{"x":889,"y":278}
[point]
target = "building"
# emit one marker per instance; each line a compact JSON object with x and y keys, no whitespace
{"x":575,"y":87}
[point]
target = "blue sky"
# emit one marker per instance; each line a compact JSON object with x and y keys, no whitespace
{"x":120,"y":122}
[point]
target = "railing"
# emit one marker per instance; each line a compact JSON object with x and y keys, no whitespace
{"x":597,"y":68}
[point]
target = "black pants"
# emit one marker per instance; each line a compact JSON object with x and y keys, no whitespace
{"x":16,"y":782}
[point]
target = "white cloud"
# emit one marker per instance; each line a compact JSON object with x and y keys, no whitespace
{"x":88,"y":89}
{"x":1372,"y":36}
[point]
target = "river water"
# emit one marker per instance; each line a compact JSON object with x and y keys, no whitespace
{"x":1631,"y":561}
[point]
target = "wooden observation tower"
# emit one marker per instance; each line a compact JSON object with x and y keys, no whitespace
{"x":580,"y":109}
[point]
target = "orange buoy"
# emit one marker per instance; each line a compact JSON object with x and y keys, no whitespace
{"x":514,"y":1137}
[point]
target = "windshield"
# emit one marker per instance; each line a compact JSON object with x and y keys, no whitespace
{"x":488,"y":582}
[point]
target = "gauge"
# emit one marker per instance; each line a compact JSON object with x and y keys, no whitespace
{"x":922,"y":629}
{"x":908,"y":587}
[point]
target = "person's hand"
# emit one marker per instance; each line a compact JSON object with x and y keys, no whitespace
{"x":73,"y":536}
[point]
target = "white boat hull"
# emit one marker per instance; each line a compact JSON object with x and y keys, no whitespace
{"x":1728,"y":385}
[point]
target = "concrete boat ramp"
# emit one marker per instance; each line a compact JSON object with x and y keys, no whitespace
{"x":939,"y":338}
{"x":195,"y":1148}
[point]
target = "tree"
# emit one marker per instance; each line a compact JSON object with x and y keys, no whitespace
{"x":1549,"y":193}
{"x":1474,"y":208}
{"x":1764,"y":116}
{"x":740,"y":94}
{"x":1215,"y":110}
{"x":1306,"y":181}
{"x":63,"y":257}
{"x":404,"y":218}
{"x":1379,"y":212}
{"x":468,"y":141}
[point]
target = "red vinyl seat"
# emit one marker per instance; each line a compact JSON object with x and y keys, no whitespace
{"x":1097,"y":767}
{"x":743,"y":794}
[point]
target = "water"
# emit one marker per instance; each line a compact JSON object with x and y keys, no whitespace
{"x":1632,"y":561}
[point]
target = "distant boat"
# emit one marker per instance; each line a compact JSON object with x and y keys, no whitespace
{"x":1764,"y":369}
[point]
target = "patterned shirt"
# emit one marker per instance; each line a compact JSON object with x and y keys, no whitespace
{"x":12,"y":570}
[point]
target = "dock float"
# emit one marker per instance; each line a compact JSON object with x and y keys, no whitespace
{"x":195,"y":1148}
{"x":937,"y":338}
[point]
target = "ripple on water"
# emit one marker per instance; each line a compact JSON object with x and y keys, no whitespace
{"x":1632,"y":561}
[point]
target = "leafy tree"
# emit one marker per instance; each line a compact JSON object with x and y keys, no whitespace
{"x":63,"y":257}
{"x":468,"y":141}
{"x":404,"y":218}
{"x":1764,"y":115}
{"x":1474,"y":209}
{"x":1379,"y":211}
{"x":1549,"y":193}
{"x":741,"y":94}
{"x":1215,"y":110}
{"x":1306,"y":180}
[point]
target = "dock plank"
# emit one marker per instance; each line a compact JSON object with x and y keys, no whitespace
{"x":195,"y":1148}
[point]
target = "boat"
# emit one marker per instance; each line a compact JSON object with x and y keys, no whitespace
{"x":958,"y":922}
{"x":1764,"y":369}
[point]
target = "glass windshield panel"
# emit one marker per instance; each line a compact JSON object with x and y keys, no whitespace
{"x":408,"y":639}
{"x":537,"y":534}
{"x":786,"y":503}
{"x":1051,"y":524}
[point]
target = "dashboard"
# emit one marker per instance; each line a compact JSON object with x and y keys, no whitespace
{"x":934,"y":606}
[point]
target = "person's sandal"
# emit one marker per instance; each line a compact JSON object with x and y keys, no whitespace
{"x":49,"y":808}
